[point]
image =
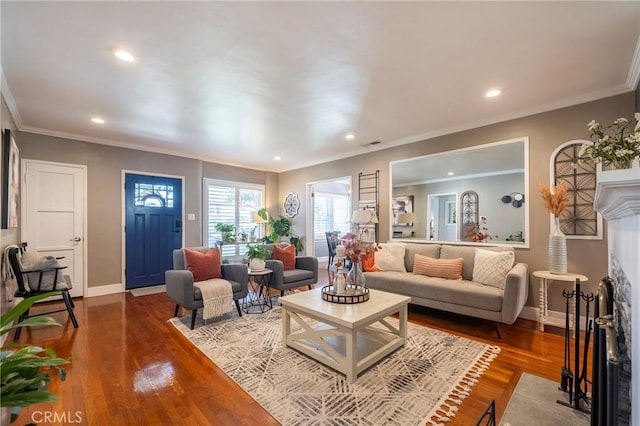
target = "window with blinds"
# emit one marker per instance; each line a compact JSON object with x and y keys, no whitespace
{"x":230,"y":203}
{"x":332,"y":213}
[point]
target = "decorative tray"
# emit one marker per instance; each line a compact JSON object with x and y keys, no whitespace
{"x":353,"y":294}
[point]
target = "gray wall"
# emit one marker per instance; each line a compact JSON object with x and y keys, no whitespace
{"x":546,"y":131}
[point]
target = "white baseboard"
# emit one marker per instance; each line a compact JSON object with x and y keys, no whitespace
{"x":531,"y":313}
{"x":104,"y":290}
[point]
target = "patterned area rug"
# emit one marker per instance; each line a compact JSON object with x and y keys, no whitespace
{"x":420,"y":383}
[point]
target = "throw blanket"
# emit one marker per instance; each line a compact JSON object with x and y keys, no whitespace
{"x":217,"y":296}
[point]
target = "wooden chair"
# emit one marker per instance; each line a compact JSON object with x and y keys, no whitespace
{"x":28,"y":289}
{"x":332,"y":242}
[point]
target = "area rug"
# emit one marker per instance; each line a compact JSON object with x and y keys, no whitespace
{"x":419,"y":384}
{"x":534,"y":402}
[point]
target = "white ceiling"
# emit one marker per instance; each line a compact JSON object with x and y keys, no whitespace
{"x":240,"y":82}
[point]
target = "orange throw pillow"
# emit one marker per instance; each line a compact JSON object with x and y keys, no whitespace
{"x":203,"y":266}
{"x":368,"y":264}
{"x":442,"y":268}
{"x":287,"y":255}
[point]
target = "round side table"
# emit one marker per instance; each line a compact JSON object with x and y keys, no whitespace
{"x":545,"y":278}
{"x":260,"y":294}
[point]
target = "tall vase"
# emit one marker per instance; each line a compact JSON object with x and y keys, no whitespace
{"x":557,"y":249}
{"x":355,"y":277}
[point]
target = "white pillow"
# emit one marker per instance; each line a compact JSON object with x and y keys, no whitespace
{"x":491,"y":267}
{"x":390,"y":257}
{"x":30,"y":262}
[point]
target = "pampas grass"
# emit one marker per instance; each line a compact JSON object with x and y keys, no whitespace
{"x":555,"y":199}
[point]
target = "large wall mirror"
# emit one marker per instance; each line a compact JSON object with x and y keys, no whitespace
{"x":438,"y":185}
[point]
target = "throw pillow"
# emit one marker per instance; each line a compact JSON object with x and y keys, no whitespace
{"x":491,"y":268}
{"x":45,"y":280}
{"x":368,"y":265}
{"x":390,"y":257}
{"x":203,"y":266}
{"x":287,"y":255}
{"x":442,"y":268}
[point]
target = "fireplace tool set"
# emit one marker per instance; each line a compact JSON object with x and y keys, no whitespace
{"x":576,"y":384}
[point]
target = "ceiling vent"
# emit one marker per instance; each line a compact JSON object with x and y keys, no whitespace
{"x":372,"y":143}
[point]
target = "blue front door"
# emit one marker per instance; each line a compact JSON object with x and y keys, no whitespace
{"x":153,"y":227}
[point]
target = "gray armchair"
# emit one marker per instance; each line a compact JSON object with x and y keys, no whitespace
{"x":305,"y":273}
{"x":180,"y":288}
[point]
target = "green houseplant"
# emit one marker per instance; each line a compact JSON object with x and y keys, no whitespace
{"x":280,"y":227}
{"x":227,"y":231}
{"x":257,"y":255}
{"x":25,"y":369}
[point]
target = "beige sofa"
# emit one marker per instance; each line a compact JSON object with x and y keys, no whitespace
{"x":463,"y":296}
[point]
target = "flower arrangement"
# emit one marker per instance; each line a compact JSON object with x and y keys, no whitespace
{"x":355,"y":249}
{"x":479,"y":231}
{"x":555,"y":199}
{"x":619,"y":146}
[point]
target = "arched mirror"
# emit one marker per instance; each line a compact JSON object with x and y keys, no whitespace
{"x":468,"y":212}
{"x":460,"y":187}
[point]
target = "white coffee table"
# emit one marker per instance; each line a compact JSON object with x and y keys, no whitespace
{"x":345,"y":338}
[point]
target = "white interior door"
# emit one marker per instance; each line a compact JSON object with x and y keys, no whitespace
{"x":53,"y":215}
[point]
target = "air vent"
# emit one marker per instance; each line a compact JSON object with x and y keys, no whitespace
{"x":372,"y":143}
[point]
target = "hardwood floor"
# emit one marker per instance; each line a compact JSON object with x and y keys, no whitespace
{"x":131,"y":367}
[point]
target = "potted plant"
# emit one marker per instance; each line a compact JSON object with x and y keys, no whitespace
{"x":24,"y":369}
{"x":297,"y":243}
{"x":257,"y":255}
{"x":227,"y":231}
{"x":280,"y":227}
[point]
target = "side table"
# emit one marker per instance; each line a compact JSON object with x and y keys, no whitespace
{"x":260,"y":296}
{"x":545,"y":278}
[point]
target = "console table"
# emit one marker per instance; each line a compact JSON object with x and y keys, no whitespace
{"x":545,"y":278}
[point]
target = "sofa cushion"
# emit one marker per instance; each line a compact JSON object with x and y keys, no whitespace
{"x":390,"y":257}
{"x":203,"y":266}
{"x":462,"y":293}
{"x":295,"y":275}
{"x":285,"y":254}
{"x":491,"y":268}
{"x":443,"y":268}
{"x":431,"y":250}
{"x":468,"y":254}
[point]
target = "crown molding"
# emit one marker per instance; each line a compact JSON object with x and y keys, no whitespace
{"x":11,"y":102}
{"x":618,"y":193}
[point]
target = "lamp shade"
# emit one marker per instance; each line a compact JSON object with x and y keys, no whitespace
{"x":404,"y":218}
{"x":364,"y":216}
{"x":257,"y":218}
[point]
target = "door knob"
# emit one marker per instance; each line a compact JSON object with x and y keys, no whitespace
{"x":76,"y":239}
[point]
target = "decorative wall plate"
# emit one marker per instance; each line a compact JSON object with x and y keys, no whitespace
{"x":291,"y":204}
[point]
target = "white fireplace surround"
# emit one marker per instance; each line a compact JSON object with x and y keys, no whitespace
{"x":618,"y":200}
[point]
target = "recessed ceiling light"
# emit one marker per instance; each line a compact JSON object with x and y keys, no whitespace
{"x":450,"y":173}
{"x":350,"y":136}
{"x":277,"y":158}
{"x":124,"y":55}
{"x":493,"y":93}
{"x":97,"y":120}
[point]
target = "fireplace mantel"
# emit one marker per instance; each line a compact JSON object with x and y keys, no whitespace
{"x":618,"y":193}
{"x":618,"y":200}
